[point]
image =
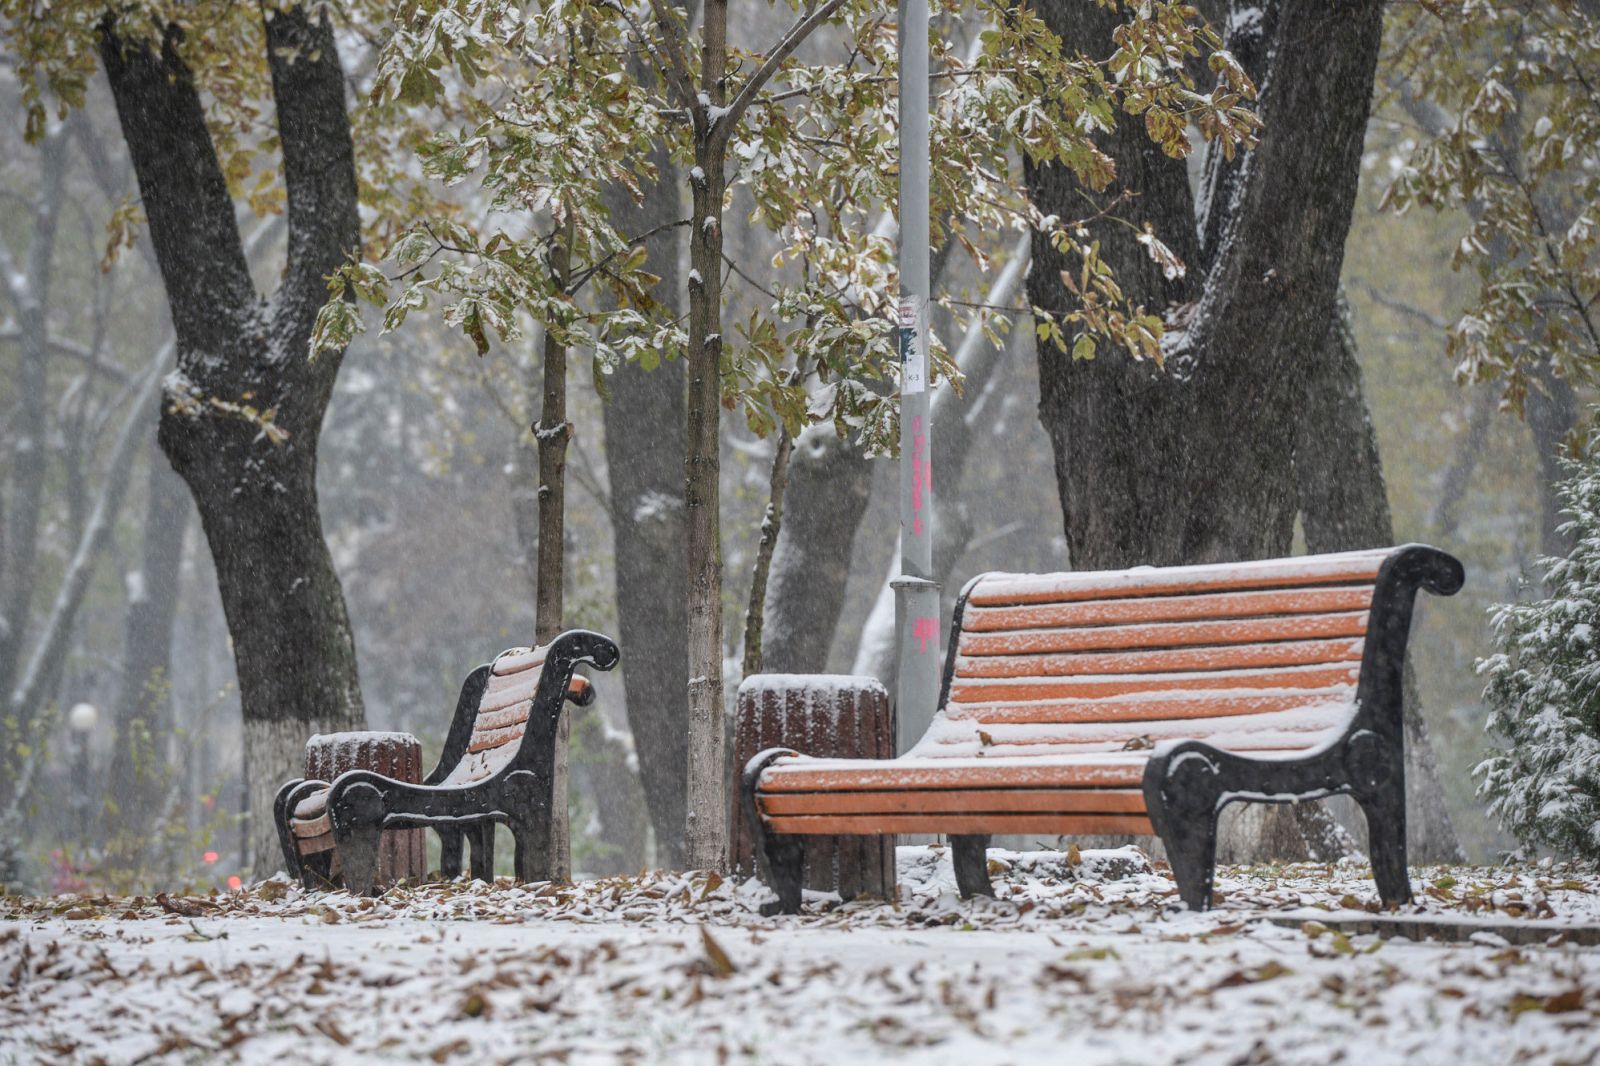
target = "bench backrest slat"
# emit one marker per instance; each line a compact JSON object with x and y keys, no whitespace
{"x":502,"y":715}
{"x":1260,"y":656}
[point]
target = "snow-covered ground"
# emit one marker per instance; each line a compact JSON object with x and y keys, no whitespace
{"x":1082,"y":959}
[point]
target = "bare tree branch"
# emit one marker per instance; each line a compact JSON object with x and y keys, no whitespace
{"x":676,"y":70}
{"x":11,"y":333}
{"x":22,"y":704}
{"x":797,"y":33}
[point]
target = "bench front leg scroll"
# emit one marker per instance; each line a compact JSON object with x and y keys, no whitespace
{"x":1182,"y":793}
{"x":780,"y":857}
{"x":1377,"y":774}
{"x":357,"y":811}
{"x":530,"y":799}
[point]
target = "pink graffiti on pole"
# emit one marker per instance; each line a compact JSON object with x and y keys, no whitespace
{"x":925,"y":629}
{"x":921,"y":474}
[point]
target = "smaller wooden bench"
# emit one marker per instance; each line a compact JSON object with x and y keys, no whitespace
{"x":1139,"y":701}
{"x":497,"y":767}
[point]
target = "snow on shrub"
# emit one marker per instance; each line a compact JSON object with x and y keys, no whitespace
{"x":1544,"y":692}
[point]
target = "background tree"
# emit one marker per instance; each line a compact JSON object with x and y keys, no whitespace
{"x":1195,"y":462}
{"x":1544,"y":786}
{"x":244,"y":412}
{"x":1510,"y":134}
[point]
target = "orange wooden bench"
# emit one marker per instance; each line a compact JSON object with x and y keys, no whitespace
{"x":1138,"y":701}
{"x":497,"y":766}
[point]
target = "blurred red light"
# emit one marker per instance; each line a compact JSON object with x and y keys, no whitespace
{"x":235,"y":883}
{"x":211,"y":856}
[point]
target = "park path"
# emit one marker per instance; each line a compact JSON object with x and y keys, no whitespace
{"x":679,"y":969}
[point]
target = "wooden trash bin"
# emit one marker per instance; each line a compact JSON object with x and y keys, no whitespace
{"x":826,"y":715}
{"x":403,"y":853}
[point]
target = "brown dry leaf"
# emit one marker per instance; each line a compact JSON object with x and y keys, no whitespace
{"x":444,"y":1051}
{"x":1074,"y":856}
{"x":1561,"y":1002}
{"x":271,"y":891}
{"x":330,"y":1029}
{"x":187,"y":908}
{"x":1267,"y":971}
{"x":720,"y":964}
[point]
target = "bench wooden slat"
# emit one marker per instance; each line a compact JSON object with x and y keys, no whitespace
{"x":1007,"y":589}
{"x":1062,"y":712}
{"x":1163,"y":660}
{"x":1022,"y":690}
{"x":988,"y":822}
{"x":490,"y":721}
{"x":1287,"y":730}
{"x":1077,"y":801}
{"x":313,"y":827}
{"x":520,"y":690}
{"x":485,"y":739}
{"x":516,"y":660}
{"x":1168,"y":608}
{"x":1089,"y":771}
{"x":1165,"y":634}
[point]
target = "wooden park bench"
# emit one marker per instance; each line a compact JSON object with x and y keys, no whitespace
{"x":497,"y":766}
{"x":1137,"y":702}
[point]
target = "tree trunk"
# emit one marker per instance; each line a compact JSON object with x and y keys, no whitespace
{"x":1193,"y":463}
{"x":1446,"y":516}
{"x":645,"y":452}
{"x":1552,"y":410}
{"x":646,"y":446}
{"x":293,"y":652}
{"x":706,"y":819}
{"x":42,"y":674}
{"x":771,"y":524}
{"x":552,"y":433}
{"x":30,"y":294}
{"x":830,"y":482}
{"x":1344,"y":506}
{"x":706,"y":830}
{"x":143,"y":727}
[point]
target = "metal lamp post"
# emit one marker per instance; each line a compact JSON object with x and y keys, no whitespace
{"x":81,"y":720}
{"x":916,"y":593}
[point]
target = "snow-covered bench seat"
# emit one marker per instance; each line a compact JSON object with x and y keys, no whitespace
{"x":497,"y":766}
{"x":1138,"y":701}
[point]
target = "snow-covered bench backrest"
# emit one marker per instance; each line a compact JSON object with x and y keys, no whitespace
{"x":503,"y":713}
{"x":1259,"y":657}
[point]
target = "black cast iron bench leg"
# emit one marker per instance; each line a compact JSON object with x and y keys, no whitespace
{"x":970,"y":856}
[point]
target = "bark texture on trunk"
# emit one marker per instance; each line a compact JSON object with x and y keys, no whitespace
{"x":552,"y":433}
{"x":1194,"y":463}
{"x":706,"y":825}
{"x":646,"y":447}
{"x":257,"y":499}
{"x":830,"y":483}
{"x":771,"y":525}
{"x":645,"y":450}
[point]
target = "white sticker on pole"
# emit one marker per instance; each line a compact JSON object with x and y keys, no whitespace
{"x":913,"y":345}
